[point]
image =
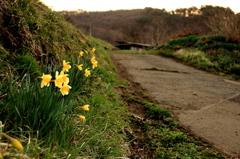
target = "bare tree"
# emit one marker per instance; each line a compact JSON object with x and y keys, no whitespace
{"x":225,"y":24}
{"x":158,"y":30}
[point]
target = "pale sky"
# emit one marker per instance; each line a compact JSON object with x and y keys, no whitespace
{"x":103,"y":5}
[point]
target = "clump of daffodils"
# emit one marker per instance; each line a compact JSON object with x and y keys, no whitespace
{"x":61,"y":80}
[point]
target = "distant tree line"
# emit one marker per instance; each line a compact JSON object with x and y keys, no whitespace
{"x":157,"y":26}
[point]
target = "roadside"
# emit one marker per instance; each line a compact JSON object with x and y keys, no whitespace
{"x":190,"y":96}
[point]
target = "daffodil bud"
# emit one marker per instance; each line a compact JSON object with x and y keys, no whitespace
{"x":85,"y":107}
{"x":82,"y":117}
{"x":16,"y":144}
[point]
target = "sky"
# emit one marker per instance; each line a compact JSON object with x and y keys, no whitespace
{"x":104,"y":5}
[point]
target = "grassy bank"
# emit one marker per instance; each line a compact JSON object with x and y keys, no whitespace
{"x":56,"y":109}
{"x":211,"y":53}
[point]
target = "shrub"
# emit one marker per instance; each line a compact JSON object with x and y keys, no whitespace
{"x":217,"y":38}
{"x":159,"y":47}
{"x":182,"y":42}
{"x":199,"y":45}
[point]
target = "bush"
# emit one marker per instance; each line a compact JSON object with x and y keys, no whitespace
{"x":159,"y":47}
{"x":199,"y":45}
{"x":217,"y":38}
{"x":182,"y":42}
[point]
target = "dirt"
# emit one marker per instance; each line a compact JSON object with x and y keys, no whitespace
{"x":207,"y":105}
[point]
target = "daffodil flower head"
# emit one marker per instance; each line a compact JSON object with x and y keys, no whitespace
{"x":93,"y":59}
{"x":46,"y":79}
{"x":80,"y":67}
{"x":66,"y":66}
{"x":93,"y":50}
{"x":81,"y":53}
{"x":65,"y":77}
{"x":59,"y":80}
{"x":82,"y":117}
{"x":87,"y":72}
{"x":94,"y":64}
{"x":85,"y":107}
{"x":65,"y":89}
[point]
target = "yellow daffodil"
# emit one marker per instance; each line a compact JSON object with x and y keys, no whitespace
{"x":81,"y":53}
{"x":65,"y":89}
{"x":82,"y":117}
{"x":93,"y":59}
{"x":80,"y":67}
{"x":46,"y":79}
{"x":59,"y":80}
{"x":94,"y":64}
{"x":85,"y":107}
{"x":1,"y":157}
{"x":93,"y":50}
{"x":65,"y":77}
{"x":87,"y":72}
{"x":66,"y":66}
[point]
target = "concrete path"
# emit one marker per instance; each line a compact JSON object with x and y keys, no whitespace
{"x":209,"y":105}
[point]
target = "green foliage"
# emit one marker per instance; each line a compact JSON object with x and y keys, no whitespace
{"x":40,"y":109}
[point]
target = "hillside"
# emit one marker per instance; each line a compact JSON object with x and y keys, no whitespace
{"x":155,"y":26}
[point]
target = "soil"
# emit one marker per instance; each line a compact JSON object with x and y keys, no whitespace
{"x":207,"y":105}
